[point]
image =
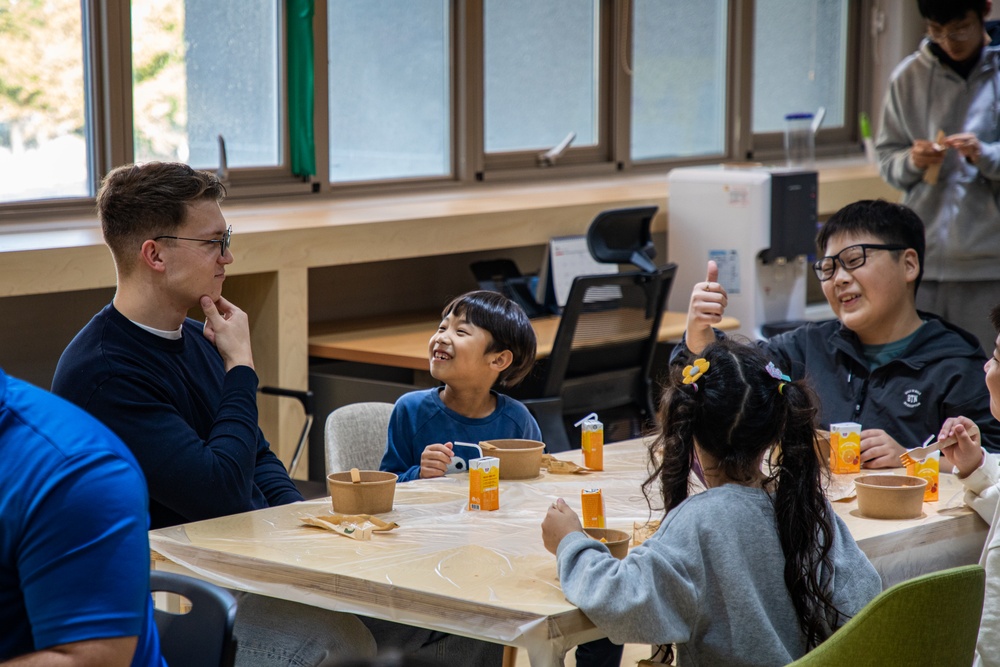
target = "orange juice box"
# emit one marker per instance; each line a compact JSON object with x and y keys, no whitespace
{"x":845,"y":447}
{"x":484,"y":483}
{"x":592,"y":441}
{"x":592,"y":503}
{"x":928,"y":469}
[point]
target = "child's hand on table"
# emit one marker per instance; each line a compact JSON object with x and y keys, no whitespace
{"x":434,"y":460}
{"x":879,"y":449}
{"x":559,"y":522}
{"x":967,"y":452}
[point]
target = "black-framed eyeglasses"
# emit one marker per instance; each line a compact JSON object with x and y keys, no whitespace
{"x":851,"y":257}
{"x":223,"y":242}
{"x":962,"y":34}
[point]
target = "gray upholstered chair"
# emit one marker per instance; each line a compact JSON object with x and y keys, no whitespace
{"x":356,"y":436}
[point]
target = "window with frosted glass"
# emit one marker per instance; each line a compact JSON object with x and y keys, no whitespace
{"x":43,"y":109}
{"x":203,"y":69}
{"x":800,"y":61}
{"x":541,"y":76}
{"x":390,"y":95}
{"x":679,"y":78}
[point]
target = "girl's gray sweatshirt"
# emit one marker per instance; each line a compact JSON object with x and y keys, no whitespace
{"x":711,"y":579}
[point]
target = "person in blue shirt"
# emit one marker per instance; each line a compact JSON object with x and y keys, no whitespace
{"x":484,"y":340}
{"x":74,"y":551}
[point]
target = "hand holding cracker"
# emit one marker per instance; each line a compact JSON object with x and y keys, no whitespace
{"x":967,"y":144}
{"x":928,"y":156}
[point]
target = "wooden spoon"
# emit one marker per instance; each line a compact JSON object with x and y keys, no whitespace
{"x":355,"y":476}
{"x":487,"y":447}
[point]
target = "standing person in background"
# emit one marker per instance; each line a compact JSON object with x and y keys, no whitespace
{"x":183,"y":395}
{"x":950,"y":85}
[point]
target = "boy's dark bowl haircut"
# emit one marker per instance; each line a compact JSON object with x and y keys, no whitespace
{"x":886,"y":221}
{"x":508,"y":326}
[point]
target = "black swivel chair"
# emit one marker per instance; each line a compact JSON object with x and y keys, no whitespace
{"x":602,"y":353}
{"x":622,"y":236}
{"x":202,"y":637}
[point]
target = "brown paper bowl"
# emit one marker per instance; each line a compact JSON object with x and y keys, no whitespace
{"x":890,"y":496}
{"x":519,"y":459}
{"x":372,"y":495}
{"x":617,"y":540}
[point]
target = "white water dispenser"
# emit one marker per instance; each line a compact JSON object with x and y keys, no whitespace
{"x":759,"y":225}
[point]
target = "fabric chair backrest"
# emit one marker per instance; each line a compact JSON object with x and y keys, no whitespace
{"x":203,"y":637}
{"x":356,"y":436}
{"x":932,"y":619}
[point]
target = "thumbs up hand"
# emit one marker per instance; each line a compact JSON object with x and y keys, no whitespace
{"x":708,"y":305}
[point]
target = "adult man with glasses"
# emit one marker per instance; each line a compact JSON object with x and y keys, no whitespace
{"x":950,"y":85}
{"x":182,"y":394}
{"x":897,"y":371}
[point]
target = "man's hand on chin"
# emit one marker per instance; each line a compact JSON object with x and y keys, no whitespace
{"x":228,"y":328}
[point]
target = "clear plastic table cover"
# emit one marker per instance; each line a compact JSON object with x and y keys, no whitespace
{"x":481,"y":574}
{"x":484,"y":574}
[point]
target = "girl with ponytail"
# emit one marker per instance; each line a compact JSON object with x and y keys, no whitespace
{"x":757,"y":569}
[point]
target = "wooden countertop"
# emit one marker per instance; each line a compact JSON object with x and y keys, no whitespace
{"x":401,"y":340}
{"x":69,"y":254}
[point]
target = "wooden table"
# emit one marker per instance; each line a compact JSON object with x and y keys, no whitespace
{"x":486,"y":574}
{"x":401,"y":340}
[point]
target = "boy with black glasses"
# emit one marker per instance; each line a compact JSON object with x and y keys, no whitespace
{"x":939,"y":142}
{"x":897,"y":371}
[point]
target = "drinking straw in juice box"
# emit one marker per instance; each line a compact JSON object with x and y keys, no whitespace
{"x":845,"y":447}
{"x":484,"y":483}
{"x":929,"y":469}
{"x":592,"y":505}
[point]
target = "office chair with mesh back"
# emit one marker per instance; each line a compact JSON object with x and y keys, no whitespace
{"x":602,"y":353}
{"x":932,"y":619}
{"x":203,"y":637}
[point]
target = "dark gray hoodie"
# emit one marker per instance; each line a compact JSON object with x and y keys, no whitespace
{"x":938,"y":375}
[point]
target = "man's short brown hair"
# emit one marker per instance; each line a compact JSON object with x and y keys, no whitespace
{"x":137,"y":202}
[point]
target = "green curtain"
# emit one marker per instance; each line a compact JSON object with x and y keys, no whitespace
{"x":301,"y":88}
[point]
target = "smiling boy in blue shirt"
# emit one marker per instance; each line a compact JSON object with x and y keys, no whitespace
{"x":484,"y":340}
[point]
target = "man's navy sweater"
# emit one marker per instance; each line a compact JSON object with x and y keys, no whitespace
{"x":191,"y":425}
